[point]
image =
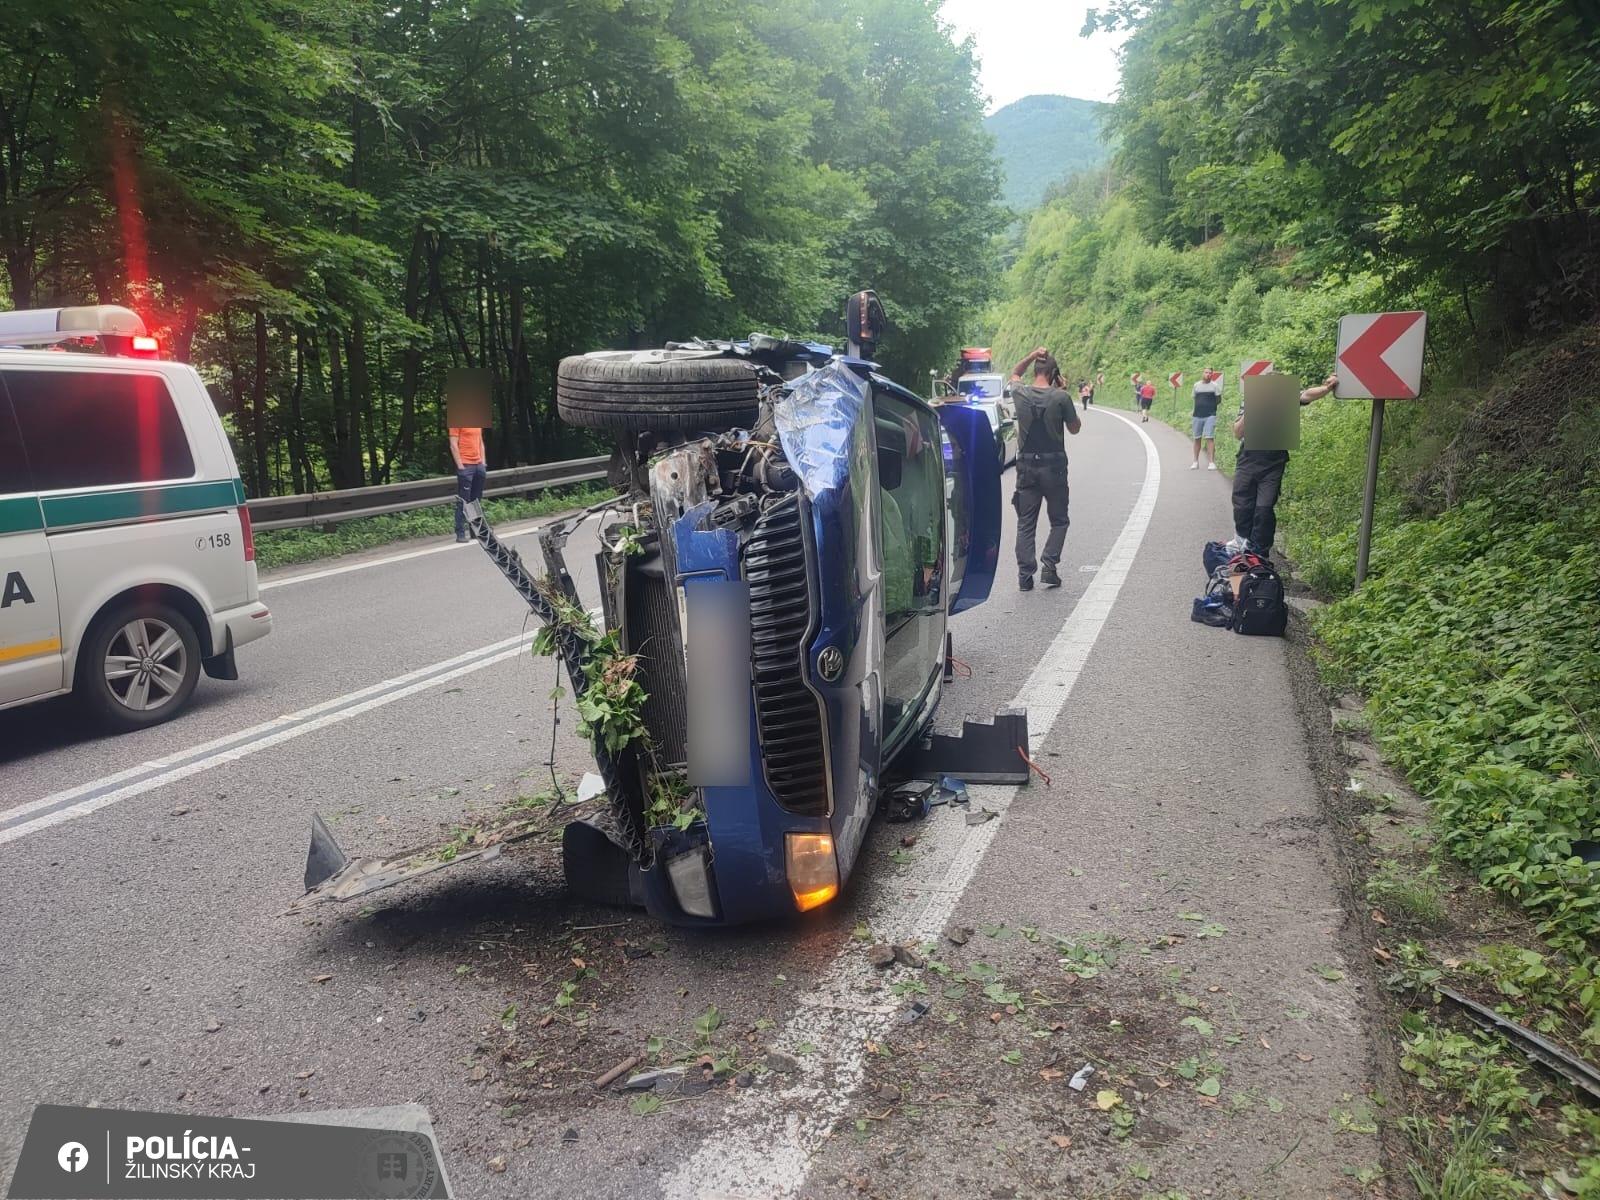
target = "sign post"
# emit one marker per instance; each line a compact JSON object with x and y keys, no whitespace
{"x":1380,"y":356}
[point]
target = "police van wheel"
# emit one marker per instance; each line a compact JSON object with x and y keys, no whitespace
{"x":138,"y":666}
{"x":656,"y":391}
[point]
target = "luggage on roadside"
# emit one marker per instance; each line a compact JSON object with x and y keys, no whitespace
{"x":1259,"y":605}
{"x":1215,"y":554}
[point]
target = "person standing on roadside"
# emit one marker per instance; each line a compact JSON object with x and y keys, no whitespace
{"x":1257,"y":480}
{"x":1147,"y":398}
{"x":1207,"y":395}
{"x":1045,"y":416}
{"x":466,"y":448}
{"x":1086,"y":394}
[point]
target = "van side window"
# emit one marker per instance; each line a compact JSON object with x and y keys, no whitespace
{"x":98,"y":429}
{"x":14,"y":476}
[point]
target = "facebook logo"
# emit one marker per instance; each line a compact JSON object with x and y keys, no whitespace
{"x":73,"y":1157}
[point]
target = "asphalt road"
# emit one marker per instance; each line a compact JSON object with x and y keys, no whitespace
{"x":1164,"y":911}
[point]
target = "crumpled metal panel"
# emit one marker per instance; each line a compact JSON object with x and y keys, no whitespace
{"x":814,"y":420}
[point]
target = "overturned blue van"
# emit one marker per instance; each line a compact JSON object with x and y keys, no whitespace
{"x":777,"y":579}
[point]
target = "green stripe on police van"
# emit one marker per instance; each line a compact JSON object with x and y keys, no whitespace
{"x":138,"y":504}
{"x":20,"y":514}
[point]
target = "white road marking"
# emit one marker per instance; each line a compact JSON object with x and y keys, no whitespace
{"x":16,"y":822}
{"x":505,"y":534}
{"x":764,"y":1142}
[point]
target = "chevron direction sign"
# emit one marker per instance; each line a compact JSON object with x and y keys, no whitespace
{"x":1380,"y":355}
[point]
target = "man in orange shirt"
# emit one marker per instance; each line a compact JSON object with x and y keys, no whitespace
{"x":466,"y":447}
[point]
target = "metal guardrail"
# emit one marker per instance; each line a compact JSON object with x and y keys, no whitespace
{"x":329,"y":508}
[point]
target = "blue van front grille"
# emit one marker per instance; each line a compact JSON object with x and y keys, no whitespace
{"x":782,"y":622}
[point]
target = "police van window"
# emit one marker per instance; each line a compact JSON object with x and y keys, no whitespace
{"x":13,"y":463}
{"x":95,"y":428}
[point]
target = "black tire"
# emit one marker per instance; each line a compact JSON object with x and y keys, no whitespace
{"x":99,"y":696}
{"x":656,"y":391}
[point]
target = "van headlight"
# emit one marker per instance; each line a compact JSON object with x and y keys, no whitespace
{"x":812,"y":867}
{"x":691,"y":883}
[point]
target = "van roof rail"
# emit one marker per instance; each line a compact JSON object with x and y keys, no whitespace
{"x":43,"y":326}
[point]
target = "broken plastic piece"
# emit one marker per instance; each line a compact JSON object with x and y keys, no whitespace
{"x":918,"y":1010}
{"x":1077,"y":1082}
{"x":590,"y":786}
{"x":909,"y":801}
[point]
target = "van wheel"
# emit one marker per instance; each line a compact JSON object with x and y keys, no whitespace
{"x":656,"y":391}
{"x":138,"y":666}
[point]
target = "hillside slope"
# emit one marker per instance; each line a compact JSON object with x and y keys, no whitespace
{"x":1041,"y":140}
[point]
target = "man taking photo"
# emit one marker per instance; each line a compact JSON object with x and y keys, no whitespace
{"x":1045,"y":416}
{"x":1257,"y":479}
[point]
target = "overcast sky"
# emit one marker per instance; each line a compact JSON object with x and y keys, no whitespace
{"x":1010,"y":35}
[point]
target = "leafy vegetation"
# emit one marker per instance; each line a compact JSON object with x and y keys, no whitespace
{"x":326,"y":204}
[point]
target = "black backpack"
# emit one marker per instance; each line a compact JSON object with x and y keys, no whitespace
{"x":1261,"y":608}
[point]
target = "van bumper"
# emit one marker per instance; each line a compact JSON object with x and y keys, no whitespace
{"x":240,"y":625}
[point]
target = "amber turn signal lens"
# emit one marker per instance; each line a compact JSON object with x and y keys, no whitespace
{"x":813,"y":869}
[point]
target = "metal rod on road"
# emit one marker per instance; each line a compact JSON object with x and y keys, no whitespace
{"x":1370,"y":500}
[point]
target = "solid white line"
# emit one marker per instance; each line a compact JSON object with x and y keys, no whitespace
{"x":511,"y":531}
{"x":764,"y":1142}
{"x":195,"y":759}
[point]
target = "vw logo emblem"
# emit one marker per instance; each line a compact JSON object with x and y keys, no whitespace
{"x":830,"y":663}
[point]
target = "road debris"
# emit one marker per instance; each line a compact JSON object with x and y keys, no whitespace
{"x":981,"y":816}
{"x":881,"y":955}
{"x":1541,"y":1050}
{"x":960,"y":935}
{"x":660,"y":1079}
{"x":212,"y":1025}
{"x":1081,"y":1077}
{"x":782,"y":1063}
{"x":616,"y":1072}
{"x":918,"y":1010}
{"x":497,"y":1164}
{"x":907,"y":956}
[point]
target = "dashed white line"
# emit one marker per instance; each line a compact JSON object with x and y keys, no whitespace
{"x":764,"y":1142}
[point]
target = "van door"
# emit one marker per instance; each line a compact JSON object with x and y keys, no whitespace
{"x":973,"y":463}
{"x":30,"y":622}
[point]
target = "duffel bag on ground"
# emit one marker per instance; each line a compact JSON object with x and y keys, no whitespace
{"x":1259,"y":605}
{"x":1215,"y":555}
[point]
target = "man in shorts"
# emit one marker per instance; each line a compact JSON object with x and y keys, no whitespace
{"x":1207,"y":396}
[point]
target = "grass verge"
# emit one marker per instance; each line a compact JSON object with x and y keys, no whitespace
{"x":285,"y":547}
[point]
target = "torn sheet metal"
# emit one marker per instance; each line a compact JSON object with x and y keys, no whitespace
{"x":814,"y":419}
{"x":332,"y":875}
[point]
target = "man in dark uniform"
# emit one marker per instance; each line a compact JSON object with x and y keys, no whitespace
{"x":1044,"y":416}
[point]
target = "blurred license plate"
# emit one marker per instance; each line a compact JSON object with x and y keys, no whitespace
{"x":718,"y":634}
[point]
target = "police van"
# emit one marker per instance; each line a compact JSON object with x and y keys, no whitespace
{"x":126,"y":560}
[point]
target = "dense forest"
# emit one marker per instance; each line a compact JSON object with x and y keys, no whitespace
{"x":1041,"y":141}
{"x":325,"y":204}
{"x":1281,"y":164}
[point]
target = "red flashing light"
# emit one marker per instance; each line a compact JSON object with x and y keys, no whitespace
{"x":144,"y":344}
{"x":246,"y":533}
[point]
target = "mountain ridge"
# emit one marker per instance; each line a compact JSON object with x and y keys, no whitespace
{"x":1042,"y":139}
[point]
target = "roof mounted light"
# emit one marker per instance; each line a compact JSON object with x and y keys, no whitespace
{"x":45,"y":326}
{"x":145,"y":345}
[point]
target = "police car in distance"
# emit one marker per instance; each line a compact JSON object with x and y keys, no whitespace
{"x":127,"y":564}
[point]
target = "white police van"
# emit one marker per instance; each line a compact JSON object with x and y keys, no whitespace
{"x":126,"y":559}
